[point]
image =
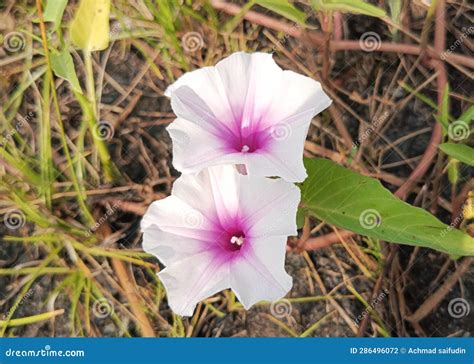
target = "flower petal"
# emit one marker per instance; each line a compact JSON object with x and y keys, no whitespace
{"x":296,"y":101}
{"x":269,"y":206}
{"x":294,"y":105}
{"x":239,"y":86}
{"x":170,"y":248}
{"x":192,"y":280}
{"x":187,"y":104}
{"x":225,"y":182}
{"x":195,"y":148}
{"x":206,"y":83}
{"x":249,"y":81}
{"x":260,"y":273}
{"x":282,"y":161}
{"x":174,"y":230}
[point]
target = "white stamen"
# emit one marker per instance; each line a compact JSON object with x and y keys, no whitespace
{"x":245,"y":148}
{"x":237,"y":240}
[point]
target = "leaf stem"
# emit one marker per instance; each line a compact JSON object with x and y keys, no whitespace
{"x":93,"y":116}
{"x":32,"y":319}
{"x":81,"y":197}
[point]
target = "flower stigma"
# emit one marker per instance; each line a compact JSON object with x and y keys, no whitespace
{"x":239,"y":240}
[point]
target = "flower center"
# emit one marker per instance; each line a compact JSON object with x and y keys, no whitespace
{"x":248,"y":140}
{"x":237,"y":240}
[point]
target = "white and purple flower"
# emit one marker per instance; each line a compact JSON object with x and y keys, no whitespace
{"x":245,"y":111}
{"x":220,"y":229}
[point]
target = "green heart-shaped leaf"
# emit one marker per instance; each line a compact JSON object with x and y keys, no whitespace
{"x":361,"y":204}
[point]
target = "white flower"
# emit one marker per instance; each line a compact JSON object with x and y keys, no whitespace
{"x":245,"y":110}
{"x":220,"y":229}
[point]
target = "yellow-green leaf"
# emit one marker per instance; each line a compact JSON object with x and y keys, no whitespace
{"x":461,"y":152}
{"x":395,"y":10}
{"x":453,"y":171}
{"x":284,"y":8}
{"x":349,"y":6}
{"x":54,"y":11}
{"x":468,"y":116}
{"x":90,"y":27}
{"x":444,"y":112}
{"x":63,"y":67}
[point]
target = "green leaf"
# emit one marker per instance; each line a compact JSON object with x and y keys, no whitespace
{"x":444,"y":112}
{"x":349,"y":6}
{"x":361,"y":204}
{"x":453,"y":171}
{"x":300,"y":216}
{"x":233,"y":22}
{"x":54,"y":11}
{"x":63,"y":67}
{"x":468,"y":116}
{"x":90,"y":26}
{"x":419,"y":96}
{"x":395,"y":11}
{"x":461,"y":152}
{"x":285,"y":9}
